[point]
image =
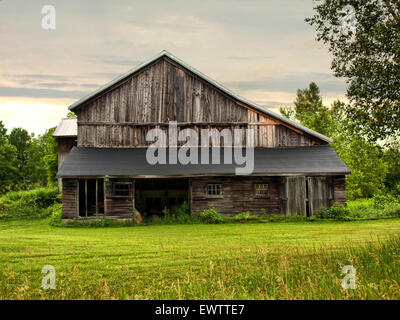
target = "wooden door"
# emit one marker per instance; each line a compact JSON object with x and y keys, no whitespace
{"x":295,"y":196}
{"x":320,"y":193}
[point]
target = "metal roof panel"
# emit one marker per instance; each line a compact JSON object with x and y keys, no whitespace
{"x":68,"y":127}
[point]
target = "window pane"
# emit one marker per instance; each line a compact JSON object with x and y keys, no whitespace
{"x":261,"y":189}
{"x":214,"y":189}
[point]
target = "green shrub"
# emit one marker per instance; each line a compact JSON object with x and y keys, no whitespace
{"x":391,"y":210}
{"x":379,"y":207}
{"x":28,"y":204}
{"x":336,"y":212}
{"x":211,"y":215}
{"x":183,"y":210}
{"x":180,"y":216}
{"x":276,"y":218}
{"x":396,"y":189}
{"x":320,"y":213}
{"x":97,"y":223}
{"x":298,"y":217}
{"x":281,"y":218}
{"x":182,"y":219}
{"x":245,"y":216}
{"x":381,"y":200}
{"x":166,"y":213}
{"x":41,"y":197}
{"x":55,"y":218}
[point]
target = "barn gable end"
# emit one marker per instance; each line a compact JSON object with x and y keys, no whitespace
{"x":163,"y":91}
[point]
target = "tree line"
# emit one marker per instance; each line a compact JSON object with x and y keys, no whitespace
{"x":363,"y":37}
{"x":26,"y":161}
{"x":374,"y":165}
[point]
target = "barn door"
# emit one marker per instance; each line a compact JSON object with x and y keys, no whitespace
{"x":319,"y":190}
{"x":295,"y":196}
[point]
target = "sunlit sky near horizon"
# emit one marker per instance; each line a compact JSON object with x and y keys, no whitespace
{"x":263,"y":50}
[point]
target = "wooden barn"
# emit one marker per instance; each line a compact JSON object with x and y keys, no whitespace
{"x":105,"y":173}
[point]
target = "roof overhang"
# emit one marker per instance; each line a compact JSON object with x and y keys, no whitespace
{"x":98,"y":162}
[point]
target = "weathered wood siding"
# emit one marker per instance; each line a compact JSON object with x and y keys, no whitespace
{"x":70,"y":198}
{"x":64,"y":147}
{"x":163,"y":92}
{"x":339,"y":190}
{"x":238,"y":195}
{"x":320,"y":193}
{"x":294,"y":195}
{"x":121,"y":206}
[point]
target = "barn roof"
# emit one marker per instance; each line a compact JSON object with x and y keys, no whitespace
{"x":68,"y":127}
{"x":132,"y":162}
{"x":205,"y":78}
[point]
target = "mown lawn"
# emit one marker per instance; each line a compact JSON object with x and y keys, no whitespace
{"x":301,"y":260}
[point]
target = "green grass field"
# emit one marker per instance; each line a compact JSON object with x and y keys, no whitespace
{"x":229,"y":261}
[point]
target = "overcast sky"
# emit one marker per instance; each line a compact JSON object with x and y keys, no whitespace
{"x":262,"y":49}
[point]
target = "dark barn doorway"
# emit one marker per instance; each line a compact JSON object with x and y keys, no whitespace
{"x":153,"y":196}
{"x":91,"y":197}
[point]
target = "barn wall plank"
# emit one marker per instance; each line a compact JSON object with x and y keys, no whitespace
{"x":69,"y":198}
{"x":339,"y":190}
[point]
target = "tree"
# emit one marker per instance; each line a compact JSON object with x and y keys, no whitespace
{"x":50,"y":158}
{"x":310,"y":111}
{"x":8,"y":170}
{"x":42,"y":161}
{"x":364,"y":39}
{"x":20,"y":138}
{"x":35,"y":169}
{"x":71,"y":114}
{"x":365,"y":159}
{"x":3,"y":130}
{"x":392,"y":158}
{"x":26,"y":161}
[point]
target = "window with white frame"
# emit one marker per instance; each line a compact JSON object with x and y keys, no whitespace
{"x":214,"y":189}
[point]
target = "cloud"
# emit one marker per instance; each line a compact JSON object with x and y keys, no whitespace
{"x":112,"y":60}
{"x":55,"y":84}
{"x":66,"y":85}
{"x":40,"y":93}
{"x":108,"y":75}
{"x":39,"y":81}
{"x":292,"y":82}
{"x":39,"y":77}
{"x":117,"y":62}
{"x":90,"y":85}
